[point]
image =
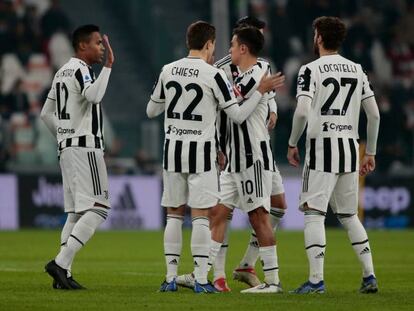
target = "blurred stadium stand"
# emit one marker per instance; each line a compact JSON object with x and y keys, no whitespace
{"x":145,"y":34}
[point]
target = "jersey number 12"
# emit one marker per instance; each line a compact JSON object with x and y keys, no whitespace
{"x":62,"y":95}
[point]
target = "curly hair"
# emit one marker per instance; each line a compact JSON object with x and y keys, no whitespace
{"x":332,"y":30}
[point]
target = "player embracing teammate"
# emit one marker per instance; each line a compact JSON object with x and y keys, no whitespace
{"x":331,"y":91}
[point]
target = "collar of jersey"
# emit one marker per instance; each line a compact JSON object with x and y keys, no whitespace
{"x":81,"y":61}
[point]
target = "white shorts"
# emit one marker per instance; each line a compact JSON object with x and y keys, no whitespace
{"x":247,"y":190}
{"x":85,"y":179}
{"x":277,"y":183}
{"x":199,"y":190}
{"x":338,"y":189}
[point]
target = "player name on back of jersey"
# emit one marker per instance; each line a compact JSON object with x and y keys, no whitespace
{"x":185,"y":72}
{"x":65,"y":73}
{"x":337,"y":68}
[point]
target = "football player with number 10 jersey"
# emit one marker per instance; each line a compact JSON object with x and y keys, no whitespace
{"x":190,"y":91}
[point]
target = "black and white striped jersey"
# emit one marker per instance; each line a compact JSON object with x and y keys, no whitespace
{"x":232,"y":71}
{"x":337,"y":86}
{"x":192,"y":92}
{"x":79,"y":122}
{"x":246,"y":143}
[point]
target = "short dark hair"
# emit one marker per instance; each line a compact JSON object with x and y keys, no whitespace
{"x":332,"y":30}
{"x":250,"y":21}
{"x":82,"y":34}
{"x":252,"y":37}
{"x":198,"y":34}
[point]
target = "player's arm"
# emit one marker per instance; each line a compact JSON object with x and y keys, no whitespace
{"x":48,"y":113}
{"x":239,"y":112}
{"x":272,"y":113}
{"x":370,"y":107}
{"x":156,"y":104}
{"x":373,"y":117}
{"x":304,"y":97}
{"x":95,"y":91}
{"x":300,"y":118}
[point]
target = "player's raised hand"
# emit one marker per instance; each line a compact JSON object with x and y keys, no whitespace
{"x":293,"y":156}
{"x":109,"y":53}
{"x":367,"y":165}
{"x":269,"y":83}
{"x":272,"y":121}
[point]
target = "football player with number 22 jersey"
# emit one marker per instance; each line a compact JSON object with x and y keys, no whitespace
{"x":190,"y":91}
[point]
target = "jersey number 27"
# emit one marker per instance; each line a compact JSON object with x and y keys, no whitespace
{"x":326,"y":108}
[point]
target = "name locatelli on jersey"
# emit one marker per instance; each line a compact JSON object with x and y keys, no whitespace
{"x":337,"y":68}
{"x":336,"y":87}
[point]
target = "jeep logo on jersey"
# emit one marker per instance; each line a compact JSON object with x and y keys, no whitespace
{"x":336,"y":127}
{"x":177,"y":131}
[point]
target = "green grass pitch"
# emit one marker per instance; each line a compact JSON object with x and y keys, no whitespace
{"x":123,"y":270}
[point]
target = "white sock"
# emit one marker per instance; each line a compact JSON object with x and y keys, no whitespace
{"x":214,"y":250}
{"x":71,"y":220}
{"x":252,"y":252}
{"x":315,"y":243}
{"x":269,"y":261}
{"x":276,"y":215}
{"x":82,"y":231}
{"x":220,"y":263}
{"x":200,"y":247}
{"x":173,"y":241}
{"x":359,"y":239}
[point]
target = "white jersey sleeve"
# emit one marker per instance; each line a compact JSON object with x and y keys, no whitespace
{"x":84,"y":79}
{"x":223,"y":90}
{"x":158,"y":95}
{"x":367,"y":90}
{"x":306,"y":83}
